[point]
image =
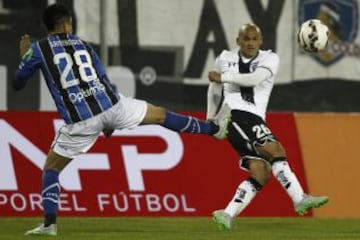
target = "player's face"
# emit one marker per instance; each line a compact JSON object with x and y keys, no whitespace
{"x":250,"y":41}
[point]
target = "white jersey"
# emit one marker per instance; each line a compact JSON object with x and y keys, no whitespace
{"x":252,"y":99}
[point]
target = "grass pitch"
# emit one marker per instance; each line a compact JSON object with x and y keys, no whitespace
{"x":189,"y":228}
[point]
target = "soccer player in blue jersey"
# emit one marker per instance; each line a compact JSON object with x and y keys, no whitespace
{"x":87,"y":102}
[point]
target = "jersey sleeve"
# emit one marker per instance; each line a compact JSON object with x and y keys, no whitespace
{"x":30,"y":63}
{"x":214,"y":95}
{"x":214,"y":92}
{"x":247,"y":79}
{"x":220,"y":62}
{"x":271,"y":62}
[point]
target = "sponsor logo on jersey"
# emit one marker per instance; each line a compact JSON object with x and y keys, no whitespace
{"x":84,"y":93}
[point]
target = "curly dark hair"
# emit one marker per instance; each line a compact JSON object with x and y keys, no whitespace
{"x":54,"y":15}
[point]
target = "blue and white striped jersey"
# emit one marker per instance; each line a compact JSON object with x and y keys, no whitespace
{"x":74,"y":75}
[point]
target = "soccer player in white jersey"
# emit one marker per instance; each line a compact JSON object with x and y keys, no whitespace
{"x":87,"y":102}
{"x":246,"y":77}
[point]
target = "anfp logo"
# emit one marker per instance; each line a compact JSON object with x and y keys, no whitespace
{"x":342,"y":19}
{"x":135,"y":161}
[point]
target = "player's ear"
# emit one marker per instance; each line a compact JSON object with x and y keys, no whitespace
{"x":261,"y":40}
{"x":238,"y":40}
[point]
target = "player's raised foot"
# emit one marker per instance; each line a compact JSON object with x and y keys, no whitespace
{"x":222,"y":220}
{"x":41,"y":230}
{"x":309,"y":202}
{"x":222,"y":119}
{"x":223,"y":127}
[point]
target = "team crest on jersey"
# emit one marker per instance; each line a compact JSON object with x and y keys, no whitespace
{"x":342,"y":19}
{"x":254,"y":66}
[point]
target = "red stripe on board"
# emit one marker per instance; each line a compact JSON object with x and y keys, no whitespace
{"x":146,"y":172}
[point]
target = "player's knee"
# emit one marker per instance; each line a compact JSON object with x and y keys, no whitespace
{"x":56,"y":162}
{"x":261,"y":178}
{"x":160,"y":115}
{"x":260,"y":171}
{"x":155,"y":115}
{"x":271,"y":150}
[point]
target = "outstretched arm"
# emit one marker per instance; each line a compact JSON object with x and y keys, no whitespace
{"x":241,"y":79}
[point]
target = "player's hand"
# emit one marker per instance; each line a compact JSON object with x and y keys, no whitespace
{"x":214,"y":77}
{"x":24,"y":44}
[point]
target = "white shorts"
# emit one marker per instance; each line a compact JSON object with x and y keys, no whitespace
{"x":74,"y":139}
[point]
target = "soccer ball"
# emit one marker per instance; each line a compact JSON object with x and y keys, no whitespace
{"x":313,"y":35}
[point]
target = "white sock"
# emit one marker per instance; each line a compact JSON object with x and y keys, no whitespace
{"x":281,"y":170}
{"x":243,"y":196}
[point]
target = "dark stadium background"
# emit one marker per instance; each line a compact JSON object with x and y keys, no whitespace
{"x":325,"y":95}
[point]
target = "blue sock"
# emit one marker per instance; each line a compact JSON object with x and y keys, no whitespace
{"x":50,"y":195}
{"x":188,"y":124}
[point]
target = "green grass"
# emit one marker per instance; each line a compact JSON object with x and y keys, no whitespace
{"x":136,"y":228}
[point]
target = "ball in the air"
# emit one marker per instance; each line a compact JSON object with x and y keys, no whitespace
{"x":313,"y":35}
